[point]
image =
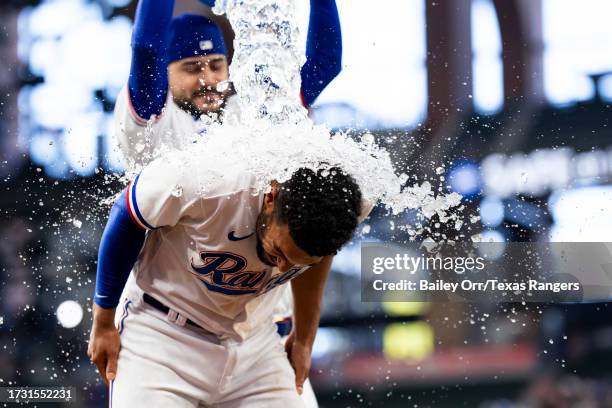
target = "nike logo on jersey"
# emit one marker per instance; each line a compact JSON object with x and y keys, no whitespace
{"x":233,"y":237}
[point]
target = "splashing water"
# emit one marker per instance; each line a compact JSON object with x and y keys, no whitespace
{"x":267,"y":130}
{"x":267,"y":58}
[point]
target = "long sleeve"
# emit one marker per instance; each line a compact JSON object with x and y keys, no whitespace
{"x":120,"y":246}
{"x":148,"y":81}
{"x":323,"y":49}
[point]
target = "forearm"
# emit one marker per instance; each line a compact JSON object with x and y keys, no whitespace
{"x":307,"y":298}
{"x":119,"y":248}
{"x":323,"y":49}
{"x":148,"y":80}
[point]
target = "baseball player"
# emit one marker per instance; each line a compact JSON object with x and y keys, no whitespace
{"x":187,"y":57}
{"x":177,"y":65}
{"x":196,"y":328}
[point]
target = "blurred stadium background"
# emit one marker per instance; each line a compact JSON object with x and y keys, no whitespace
{"x":511,"y":98}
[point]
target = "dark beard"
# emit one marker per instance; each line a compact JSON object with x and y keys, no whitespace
{"x":261,"y":226}
{"x":195,"y":112}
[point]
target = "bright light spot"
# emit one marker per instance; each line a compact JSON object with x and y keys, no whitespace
{"x":43,"y":149}
{"x":492,"y":244}
{"x":80,"y":143}
{"x":50,"y":20}
{"x":42,"y":54}
{"x":97,"y":54}
{"x":492,"y":236}
{"x":328,"y":341}
{"x":605,"y":87}
{"x":112,"y":154}
{"x":488,"y":70}
{"x":576,"y":40}
{"x":76,"y":56}
{"x":405,"y":308}
{"x":582,"y":215}
{"x":533,"y":174}
{"x":69,"y":314}
{"x":491,"y":211}
{"x":465,"y":178}
{"x":118,"y":3}
{"x":54,"y":105}
{"x":382,"y":84}
{"x":348,"y":260}
{"x":408,"y":341}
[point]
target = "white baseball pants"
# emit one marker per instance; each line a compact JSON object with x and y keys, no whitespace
{"x":164,"y":364}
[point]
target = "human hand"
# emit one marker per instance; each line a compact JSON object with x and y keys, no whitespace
{"x":104,"y":343}
{"x":299,"y":357}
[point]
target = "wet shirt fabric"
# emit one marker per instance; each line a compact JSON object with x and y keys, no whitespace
{"x":199,"y":256}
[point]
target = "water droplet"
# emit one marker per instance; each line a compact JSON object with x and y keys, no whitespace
{"x":177,"y":191}
{"x":223,"y":86}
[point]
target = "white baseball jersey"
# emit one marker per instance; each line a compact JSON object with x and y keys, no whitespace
{"x":199,"y":257}
{"x":141,"y":141}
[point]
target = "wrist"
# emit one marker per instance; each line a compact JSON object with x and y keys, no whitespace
{"x":304,"y":341}
{"x":103,"y":317}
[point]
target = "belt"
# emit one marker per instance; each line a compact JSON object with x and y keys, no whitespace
{"x":151,"y":301}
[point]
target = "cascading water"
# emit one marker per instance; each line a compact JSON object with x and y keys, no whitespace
{"x":267,"y":58}
{"x":267,"y":131}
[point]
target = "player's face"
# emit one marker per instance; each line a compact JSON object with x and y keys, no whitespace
{"x":275,"y":247}
{"x":193,"y":83}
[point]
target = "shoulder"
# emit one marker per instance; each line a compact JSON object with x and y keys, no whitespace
{"x":197,"y":173}
{"x":226,"y":181}
{"x":173,"y":171}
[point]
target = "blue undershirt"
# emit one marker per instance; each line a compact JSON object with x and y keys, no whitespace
{"x":120,"y":246}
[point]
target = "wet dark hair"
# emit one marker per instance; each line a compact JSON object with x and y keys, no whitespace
{"x":320,"y":209}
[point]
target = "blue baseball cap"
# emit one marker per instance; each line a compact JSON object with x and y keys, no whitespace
{"x":191,"y":35}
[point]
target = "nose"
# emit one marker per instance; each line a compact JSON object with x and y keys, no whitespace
{"x":209,"y":78}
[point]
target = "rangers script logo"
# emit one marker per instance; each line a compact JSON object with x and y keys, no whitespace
{"x":227,"y":273}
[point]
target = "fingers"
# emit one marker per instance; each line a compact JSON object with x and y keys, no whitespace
{"x":103,"y":350}
{"x":106,"y":362}
{"x":101,"y":363}
{"x":111,"y":367}
{"x":300,"y":378}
